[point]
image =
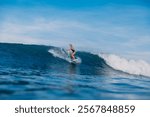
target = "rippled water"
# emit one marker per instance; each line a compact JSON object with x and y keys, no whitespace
{"x":37,"y":85}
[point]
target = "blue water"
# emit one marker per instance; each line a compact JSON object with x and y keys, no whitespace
{"x":31,"y":72}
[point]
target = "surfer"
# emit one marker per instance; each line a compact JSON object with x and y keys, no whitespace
{"x":72,"y":51}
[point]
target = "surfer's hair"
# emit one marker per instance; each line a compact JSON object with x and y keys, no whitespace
{"x":70,"y":45}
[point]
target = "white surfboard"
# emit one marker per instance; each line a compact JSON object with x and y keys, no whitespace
{"x":75,"y":61}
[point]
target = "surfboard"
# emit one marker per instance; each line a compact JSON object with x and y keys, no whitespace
{"x":75,"y":61}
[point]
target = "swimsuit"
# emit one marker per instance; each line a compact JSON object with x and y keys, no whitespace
{"x":72,"y":50}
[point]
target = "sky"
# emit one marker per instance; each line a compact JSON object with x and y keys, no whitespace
{"x":111,"y":26}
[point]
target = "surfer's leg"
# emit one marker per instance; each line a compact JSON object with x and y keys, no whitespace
{"x":73,"y":55}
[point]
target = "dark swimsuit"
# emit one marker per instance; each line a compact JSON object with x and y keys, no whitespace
{"x":72,"y":50}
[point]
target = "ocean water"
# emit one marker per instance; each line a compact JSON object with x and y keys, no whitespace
{"x":34,"y":72}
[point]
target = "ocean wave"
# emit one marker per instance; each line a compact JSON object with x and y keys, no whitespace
{"x":136,"y":67}
{"x":50,"y":59}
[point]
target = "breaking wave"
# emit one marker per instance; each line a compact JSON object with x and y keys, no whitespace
{"x":136,"y":67}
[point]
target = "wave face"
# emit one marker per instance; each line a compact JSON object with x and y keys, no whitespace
{"x":18,"y":56}
{"x":137,"y":67}
{"x":33,"y":72}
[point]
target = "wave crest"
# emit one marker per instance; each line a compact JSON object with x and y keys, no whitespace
{"x":136,"y":67}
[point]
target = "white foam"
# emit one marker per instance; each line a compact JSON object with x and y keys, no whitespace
{"x":58,"y":53}
{"x":136,"y":67}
